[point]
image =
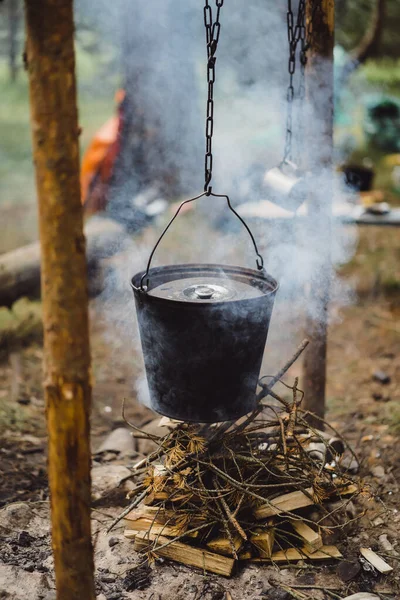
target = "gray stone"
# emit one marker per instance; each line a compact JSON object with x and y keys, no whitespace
{"x":382,"y":377}
{"x":106,"y":478}
{"x":18,"y":584}
{"x":120,"y":441}
{"x":362,"y":596}
{"x":378,"y":472}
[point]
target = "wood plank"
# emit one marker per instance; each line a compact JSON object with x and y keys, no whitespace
{"x":156,"y":528}
{"x":311,"y":539}
{"x":222,"y":544}
{"x":375,"y":560}
{"x":185,"y":554}
{"x":295,"y":554}
{"x":263,"y":540}
{"x":286,"y":503}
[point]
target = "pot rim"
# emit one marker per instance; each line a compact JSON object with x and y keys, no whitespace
{"x":230,"y":269}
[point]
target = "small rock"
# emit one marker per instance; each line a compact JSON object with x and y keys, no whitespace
{"x":347,"y":571}
{"x":49,"y":596}
{"x":107,"y":578}
{"x":378,"y":471}
{"x":16,"y":516}
{"x":24,"y":401}
{"x":24,"y":539}
{"x":362,"y":596}
{"x":101,"y":597}
{"x":350,"y":464}
{"x":137,"y":579}
{"x":378,"y":522}
{"x":386,"y":545}
{"x":120,"y":441}
{"x":381,"y":376}
{"x":106,"y":478}
{"x":153,"y":428}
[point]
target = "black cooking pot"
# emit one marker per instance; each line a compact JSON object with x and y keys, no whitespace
{"x":203,"y":330}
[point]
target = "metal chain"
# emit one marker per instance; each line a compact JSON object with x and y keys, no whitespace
{"x":296,"y":32}
{"x":213,"y":30}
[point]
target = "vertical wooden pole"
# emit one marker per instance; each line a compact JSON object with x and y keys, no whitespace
{"x":67,"y":385}
{"x":319,"y":84}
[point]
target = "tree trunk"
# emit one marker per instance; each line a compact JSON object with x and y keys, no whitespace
{"x":369,"y":45}
{"x":20,"y":268}
{"x":67,"y":384}
{"x":13,"y":24}
{"x":319,"y":81}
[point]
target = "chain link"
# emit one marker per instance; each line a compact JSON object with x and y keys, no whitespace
{"x":213,"y":30}
{"x":296,"y":31}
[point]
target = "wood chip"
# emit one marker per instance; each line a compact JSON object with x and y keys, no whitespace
{"x":311,"y":539}
{"x":375,"y":560}
{"x":264,"y":541}
{"x":185,"y":554}
{"x":286,"y":503}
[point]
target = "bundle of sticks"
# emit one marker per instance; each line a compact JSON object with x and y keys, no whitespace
{"x":266,"y":488}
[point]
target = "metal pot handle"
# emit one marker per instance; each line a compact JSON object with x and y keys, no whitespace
{"x":259,"y":259}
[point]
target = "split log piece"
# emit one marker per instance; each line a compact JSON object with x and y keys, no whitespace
{"x":263,"y":540}
{"x":286,"y":503}
{"x":148,"y":526}
{"x":312,"y":539}
{"x":186,"y":555}
{"x":222,"y":544}
{"x":295,"y":554}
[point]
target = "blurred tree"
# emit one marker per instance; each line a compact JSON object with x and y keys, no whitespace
{"x":356,"y":20}
{"x":10,"y":35}
{"x":13,"y":27}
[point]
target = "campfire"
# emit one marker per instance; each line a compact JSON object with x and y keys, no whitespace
{"x":267,"y":488}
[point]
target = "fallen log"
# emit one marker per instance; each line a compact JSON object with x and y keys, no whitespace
{"x":20,"y":268}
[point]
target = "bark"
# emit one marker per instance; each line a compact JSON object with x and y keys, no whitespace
{"x":319,"y":82}
{"x":67,"y":384}
{"x":20,"y":268}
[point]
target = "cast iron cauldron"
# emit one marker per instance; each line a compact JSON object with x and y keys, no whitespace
{"x":203,"y":330}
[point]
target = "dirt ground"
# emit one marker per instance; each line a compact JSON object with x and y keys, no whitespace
{"x":363,"y":404}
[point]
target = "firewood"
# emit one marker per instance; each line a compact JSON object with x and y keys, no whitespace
{"x":149,"y":512}
{"x":286,"y":503}
{"x":185,"y":554}
{"x":349,"y":490}
{"x":312,"y":539}
{"x":295,"y":554}
{"x":263,"y":540}
{"x":222,"y":544}
{"x":376,"y":561}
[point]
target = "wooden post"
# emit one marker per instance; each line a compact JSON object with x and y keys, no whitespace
{"x":319,"y":84}
{"x":67,"y":385}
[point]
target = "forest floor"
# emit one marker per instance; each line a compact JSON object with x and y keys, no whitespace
{"x":364,"y":339}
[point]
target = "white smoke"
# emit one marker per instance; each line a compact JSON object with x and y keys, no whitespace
{"x":163,"y":42}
